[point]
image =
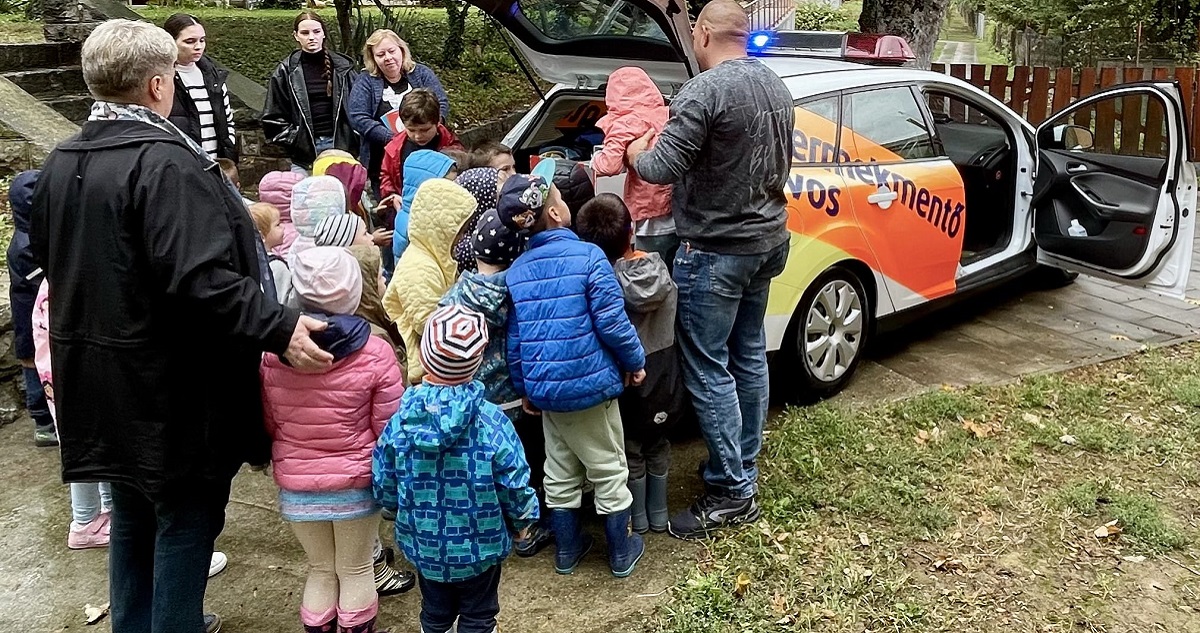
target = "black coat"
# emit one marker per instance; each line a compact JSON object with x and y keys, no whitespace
{"x":186,"y":117}
{"x":157,"y":318}
{"x":287,"y":117}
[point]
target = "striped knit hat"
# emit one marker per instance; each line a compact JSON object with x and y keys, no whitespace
{"x":452,"y":345}
{"x":339,"y":230}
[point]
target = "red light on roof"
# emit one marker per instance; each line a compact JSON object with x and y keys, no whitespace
{"x":878,"y":48}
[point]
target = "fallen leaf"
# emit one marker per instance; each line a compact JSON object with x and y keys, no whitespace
{"x":778,"y":604}
{"x":863,"y":540}
{"x":1119,"y":337}
{"x":978,"y":429}
{"x":948,"y":564}
{"x":1195,"y":302}
{"x":786,"y":620}
{"x":928,"y":437}
{"x":1068,"y":440}
{"x":1134,"y":559}
{"x":782,"y":536}
{"x":1108,"y":529}
{"x":1123,"y":377}
{"x":828,"y":614}
{"x":1030,"y":418}
{"x":741,"y":585}
{"x":93,"y":615}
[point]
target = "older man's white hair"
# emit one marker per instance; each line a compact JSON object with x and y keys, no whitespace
{"x":120,"y":56}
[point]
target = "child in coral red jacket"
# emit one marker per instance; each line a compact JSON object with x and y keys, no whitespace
{"x":324,"y":428}
{"x":635,"y":108}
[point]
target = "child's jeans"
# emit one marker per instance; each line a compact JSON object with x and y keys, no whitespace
{"x":88,"y":501}
{"x":586,"y":445}
{"x":35,"y":400}
{"x":474,"y":602}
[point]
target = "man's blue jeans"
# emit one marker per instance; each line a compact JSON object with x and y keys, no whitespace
{"x":158,"y":555}
{"x":722,"y":303}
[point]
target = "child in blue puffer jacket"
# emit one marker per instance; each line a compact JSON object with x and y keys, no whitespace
{"x":571,"y":351}
{"x":452,"y":467}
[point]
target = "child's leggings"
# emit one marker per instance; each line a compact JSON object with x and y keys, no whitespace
{"x":341,"y":579}
{"x":88,"y":500}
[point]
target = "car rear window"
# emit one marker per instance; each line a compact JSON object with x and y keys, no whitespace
{"x":565,"y":20}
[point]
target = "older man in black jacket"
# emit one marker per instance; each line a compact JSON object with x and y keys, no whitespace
{"x":158,"y":323}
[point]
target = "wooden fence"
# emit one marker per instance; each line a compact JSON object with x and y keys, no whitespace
{"x":1035,"y":92}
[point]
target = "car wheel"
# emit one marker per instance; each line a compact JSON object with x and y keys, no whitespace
{"x":827,"y":336}
{"x":1051,"y":277}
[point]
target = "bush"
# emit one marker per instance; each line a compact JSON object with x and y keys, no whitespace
{"x":818,"y":16}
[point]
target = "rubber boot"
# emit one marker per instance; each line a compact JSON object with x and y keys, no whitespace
{"x":637,"y":487}
{"x":572,"y":543}
{"x":329,"y":627}
{"x":656,"y":502}
{"x":365,"y":627}
{"x":625,"y":548}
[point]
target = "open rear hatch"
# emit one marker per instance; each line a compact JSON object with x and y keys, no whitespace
{"x":580,"y":43}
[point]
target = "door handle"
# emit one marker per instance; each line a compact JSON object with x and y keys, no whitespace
{"x":883,"y":197}
{"x":1076,"y":168}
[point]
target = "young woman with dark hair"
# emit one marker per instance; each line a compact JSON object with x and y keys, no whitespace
{"x":201,"y":108}
{"x":307,"y":97}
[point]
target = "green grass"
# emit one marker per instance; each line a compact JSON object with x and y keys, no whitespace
{"x":15,"y":29}
{"x":486,"y":85}
{"x":951,"y":510}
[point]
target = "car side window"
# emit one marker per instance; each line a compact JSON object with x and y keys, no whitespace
{"x":564,"y":20}
{"x":888,"y":125}
{"x":1129,"y":125}
{"x":968,"y":133}
{"x":815,"y":135}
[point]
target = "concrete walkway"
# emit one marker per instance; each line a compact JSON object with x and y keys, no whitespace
{"x":957,"y":53}
{"x":1016,"y":331}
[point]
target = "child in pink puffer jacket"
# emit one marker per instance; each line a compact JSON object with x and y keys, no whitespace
{"x":324,"y":428}
{"x":275,"y":188}
{"x":636,"y":107}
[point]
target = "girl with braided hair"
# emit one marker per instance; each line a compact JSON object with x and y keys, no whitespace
{"x":307,"y":97}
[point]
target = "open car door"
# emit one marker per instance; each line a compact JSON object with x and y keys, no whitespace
{"x":580,"y":42}
{"x":1115,"y":195}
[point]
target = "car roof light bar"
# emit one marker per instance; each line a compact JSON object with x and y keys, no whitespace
{"x":869,"y":48}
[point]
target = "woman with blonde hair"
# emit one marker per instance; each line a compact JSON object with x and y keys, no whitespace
{"x":391,"y":72}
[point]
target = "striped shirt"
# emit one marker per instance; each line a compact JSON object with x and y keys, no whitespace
{"x":193,"y":81}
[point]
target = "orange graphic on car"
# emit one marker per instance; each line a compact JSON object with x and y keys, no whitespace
{"x":905,"y":219}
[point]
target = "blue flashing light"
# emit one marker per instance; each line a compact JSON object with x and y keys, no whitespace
{"x":759,"y":41}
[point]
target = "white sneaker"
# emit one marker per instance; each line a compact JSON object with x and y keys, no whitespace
{"x":219,"y":561}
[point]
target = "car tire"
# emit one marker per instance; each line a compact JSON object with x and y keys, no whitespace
{"x":1050,"y":277}
{"x":804,"y":375}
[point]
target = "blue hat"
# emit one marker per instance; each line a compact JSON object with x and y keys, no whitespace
{"x":522,"y":201}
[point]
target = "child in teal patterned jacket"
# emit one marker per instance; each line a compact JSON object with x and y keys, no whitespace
{"x":452,"y":467}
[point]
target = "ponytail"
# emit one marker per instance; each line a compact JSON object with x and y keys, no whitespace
{"x":328,"y":73}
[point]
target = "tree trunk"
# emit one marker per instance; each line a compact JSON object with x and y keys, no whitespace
{"x":456,"y":17}
{"x":344,"y":29}
{"x":918,"y":21}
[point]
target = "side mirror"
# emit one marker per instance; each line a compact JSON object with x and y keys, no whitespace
{"x":1073,"y":137}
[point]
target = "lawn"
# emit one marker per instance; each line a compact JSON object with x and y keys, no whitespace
{"x":15,"y":29}
{"x":1060,"y":503}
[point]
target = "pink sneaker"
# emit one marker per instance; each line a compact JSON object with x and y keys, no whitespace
{"x":89,"y":535}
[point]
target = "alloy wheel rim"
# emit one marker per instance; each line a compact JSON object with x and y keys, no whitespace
{"x":833,"y":331}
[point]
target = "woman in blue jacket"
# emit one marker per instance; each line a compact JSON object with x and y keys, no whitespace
{"x":390,"y":74}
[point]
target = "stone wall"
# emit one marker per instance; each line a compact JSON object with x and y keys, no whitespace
{"x":29,"y":129}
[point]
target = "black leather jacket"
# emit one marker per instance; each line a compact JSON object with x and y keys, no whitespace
{"x":287,"y":117}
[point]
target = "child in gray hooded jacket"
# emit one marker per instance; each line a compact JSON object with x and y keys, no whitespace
{"x":650,"y":410}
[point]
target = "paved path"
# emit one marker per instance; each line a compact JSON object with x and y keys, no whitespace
{"x":957,"y":53}
{"x":1018,"y":330}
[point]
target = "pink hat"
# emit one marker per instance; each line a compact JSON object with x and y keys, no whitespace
{"x":327,"y":279}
